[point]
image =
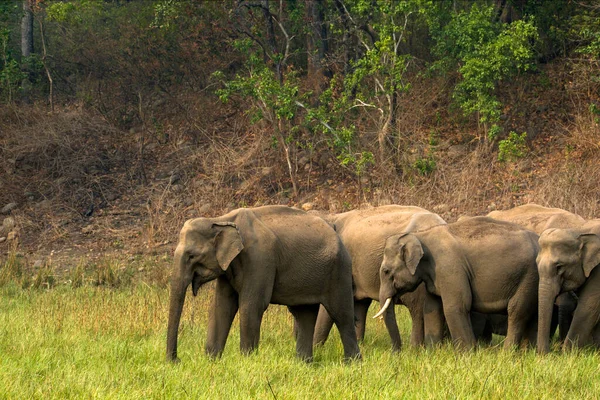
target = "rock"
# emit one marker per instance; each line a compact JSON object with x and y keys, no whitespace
{"x":44,"y":204}
{"x":441,"y":208}
{"x":12,"y":235}
{"x":303,"y":161}
{"x":8,"y":224}
{"x":457,"y":150}
{"x":204,"y":209}
{"x":266,"y":171}
{"x":2,"y":239}
{"x":8,"y":208}
{"x":174,"y":178}
{"x":247,"y":185}
{"x":308,"y":206}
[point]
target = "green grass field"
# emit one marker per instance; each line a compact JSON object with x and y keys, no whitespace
{"x":97,"y":342}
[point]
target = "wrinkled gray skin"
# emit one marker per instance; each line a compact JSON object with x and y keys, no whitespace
{"x":567,"y":262}
{"x":538,"y":218}
{"x":477,"y":264}
{"x":364,"y":232}
{"x":261,"y":256}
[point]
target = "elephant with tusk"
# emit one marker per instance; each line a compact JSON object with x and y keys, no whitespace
{"x":364,"y":232}
{"x":476,"y":264}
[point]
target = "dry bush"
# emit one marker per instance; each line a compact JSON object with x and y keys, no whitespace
{"x":72,"y":157}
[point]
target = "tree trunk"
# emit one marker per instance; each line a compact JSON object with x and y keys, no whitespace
{"x":317,"y":41}
{"x":27,"y":29}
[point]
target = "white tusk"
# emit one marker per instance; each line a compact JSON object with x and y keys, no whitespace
{"x":385,"y":306}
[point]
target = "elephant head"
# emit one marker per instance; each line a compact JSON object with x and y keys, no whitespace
{"x":205,"y":250}
{"x":398,"y":272}
{"x":565,"y":260}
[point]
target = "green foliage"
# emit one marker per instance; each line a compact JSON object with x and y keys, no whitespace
{"x":493,"y":132}
{"x":485,"y":52}
{"x":513,"y":147}
{"x":272,"y":99}
{"x":425,"y":166}
{"x":166,"y":13}
{"x":11,"y":75}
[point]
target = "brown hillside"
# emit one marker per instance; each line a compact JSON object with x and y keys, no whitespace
{"x":85,"y":187}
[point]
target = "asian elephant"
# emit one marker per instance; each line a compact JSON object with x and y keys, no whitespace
{"x":261,"y":256}
{"x":538,"y":218}
{"x":364,"y":232}
{"x":568,"y":261}
{"x":477,"y":264}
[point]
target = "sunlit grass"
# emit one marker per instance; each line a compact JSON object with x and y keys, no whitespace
{"x":98,"y":342}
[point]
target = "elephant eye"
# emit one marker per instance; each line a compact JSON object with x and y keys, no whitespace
{"x":386,"y":271}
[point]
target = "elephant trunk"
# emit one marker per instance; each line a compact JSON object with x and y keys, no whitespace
{"x":178,"y":289}
{"x":548,"y":290}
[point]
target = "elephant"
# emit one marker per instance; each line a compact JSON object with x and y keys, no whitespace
{"x":261,"y":256}
{"x":537,"y":219}
{"x":363,"y":232}
{"x":477,"y":264}
{"x":568,"y":261}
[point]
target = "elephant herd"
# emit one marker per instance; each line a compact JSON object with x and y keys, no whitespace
{"x":519,"y":273}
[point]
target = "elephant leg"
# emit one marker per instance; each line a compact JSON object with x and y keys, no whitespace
{"x":392,"y":327}
{"x":251,"y":314}
{"x":566,"y":303}
{"x":360,"y":311}
{"x":323,"y":327}
{"x":482,"y":327}
{"x":343,"y":317}
{"x":585,"y":317}
{"x":459,"y":323}
{"x":434,"y":322}
{"x":305,"y":317}
{"x":414,"y":301}
{"x":596,"y":336}
{"x":518,"y":320}
{"x":222,"y":312}
{"x":456,"y":301}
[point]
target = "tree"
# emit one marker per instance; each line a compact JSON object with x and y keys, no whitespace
{"x":27,"y":29}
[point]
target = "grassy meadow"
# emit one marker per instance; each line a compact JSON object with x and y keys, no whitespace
{"x":98,"y":342}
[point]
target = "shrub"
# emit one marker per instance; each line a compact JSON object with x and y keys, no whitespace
{"x":513,"y":147}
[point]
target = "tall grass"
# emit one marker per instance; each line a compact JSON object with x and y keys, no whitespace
{"x":102,"y":342}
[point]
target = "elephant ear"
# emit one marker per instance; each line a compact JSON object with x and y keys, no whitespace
{"x":590,"y":252}
{"x":412,"y":252}
{"x":228,"y":243}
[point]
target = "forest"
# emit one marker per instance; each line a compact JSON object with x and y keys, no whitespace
{"x":122,"y":119}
